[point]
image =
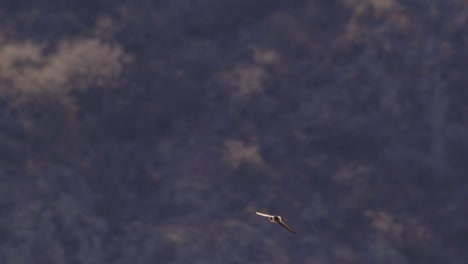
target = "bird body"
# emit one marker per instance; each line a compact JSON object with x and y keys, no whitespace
{"x":277,"y":219}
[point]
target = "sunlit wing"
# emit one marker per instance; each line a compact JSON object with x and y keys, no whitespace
{"x":283,"y":224}
{"x":265,"y":215}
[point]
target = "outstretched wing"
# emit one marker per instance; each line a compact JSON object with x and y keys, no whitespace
{"x":265,"y":215}
{"x":283,"y":224}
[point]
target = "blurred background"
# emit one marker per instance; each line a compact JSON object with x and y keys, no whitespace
{"x":152,"y":131}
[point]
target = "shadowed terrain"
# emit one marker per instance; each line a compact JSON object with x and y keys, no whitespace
{"x":152,"y":132}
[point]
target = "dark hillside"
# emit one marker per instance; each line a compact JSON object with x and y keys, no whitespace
{"x":152,"y":131}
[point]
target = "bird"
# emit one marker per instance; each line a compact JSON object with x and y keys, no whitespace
{"x":277,"y":219}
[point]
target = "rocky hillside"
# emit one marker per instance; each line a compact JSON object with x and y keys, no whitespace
{"x":152,"y":131}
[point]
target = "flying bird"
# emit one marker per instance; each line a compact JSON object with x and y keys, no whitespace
{"x":277,"y":219}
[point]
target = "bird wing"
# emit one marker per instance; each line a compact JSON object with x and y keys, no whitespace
{"x":283,"y":224}
{"x":265,"y":215}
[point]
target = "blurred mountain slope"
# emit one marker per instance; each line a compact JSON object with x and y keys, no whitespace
{"x":152,"y":131}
